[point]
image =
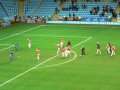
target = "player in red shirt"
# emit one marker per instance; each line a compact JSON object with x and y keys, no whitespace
{"x":63,"y":52}
{"x":61,"y":42}
{"x":113,"y":50}
{"x":38,"y":53}
{"x":58,"y":48}
{"x":29,"y":43}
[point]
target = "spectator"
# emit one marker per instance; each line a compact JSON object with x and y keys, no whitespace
{"x":98,"y":8}
{"x":91,"y":12}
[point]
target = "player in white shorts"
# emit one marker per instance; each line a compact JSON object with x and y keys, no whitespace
{"x":61,"y":43}
{"x":66,"y":51}
{"x":38,"y":53}
{"x":69,"y":50}
{"x":29,"y":43}
{"x":113,"y":50}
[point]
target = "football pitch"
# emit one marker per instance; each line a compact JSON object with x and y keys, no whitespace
{"x":54,"y":72}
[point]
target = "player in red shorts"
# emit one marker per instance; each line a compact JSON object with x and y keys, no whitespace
{"x":38,"y":53}
{"x":113,"y":50}
{"x":58,"y":48}
{"x":29,"y":43}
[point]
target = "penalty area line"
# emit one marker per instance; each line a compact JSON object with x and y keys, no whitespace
{"x":7,"y":48}
{"x":21,"y":32}
{"x":8,"y":81}
{"x":60,"y":63}
{"x":5,"y":44}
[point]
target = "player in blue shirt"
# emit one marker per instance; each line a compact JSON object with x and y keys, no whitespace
{"x":16,"y":46}
{"x":11,"y":55}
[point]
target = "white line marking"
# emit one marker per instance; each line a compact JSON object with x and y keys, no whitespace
{"x":54,"y":36}
{"x":93,"y":26}
{"x":82,"y":42}
{"x":21,"y":32}
{"x":7,"y":48}
{"x":5,"y":44}
{"x":60,"y":63}
{"x":27,"y":71}
{"x":38,"y":65}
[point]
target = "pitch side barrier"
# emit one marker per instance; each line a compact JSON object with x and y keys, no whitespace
{"x":85,"y":23}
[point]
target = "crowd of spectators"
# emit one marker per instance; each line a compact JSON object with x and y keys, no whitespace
{"x":95,"y":10}
{"x":73,"y":7}
{"x":106,"y":10}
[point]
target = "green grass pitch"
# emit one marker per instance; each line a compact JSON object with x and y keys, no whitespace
{"x":52,"y":72}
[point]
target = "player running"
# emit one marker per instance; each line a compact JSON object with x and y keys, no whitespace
{"x":29,"y":43}
{"x":98,"y":48}
{"x":38,"y":53}
{"x":113,"y":50}
{"x":58,"y":48}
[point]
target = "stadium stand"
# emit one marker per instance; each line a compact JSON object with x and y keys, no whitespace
{"x":47,"y":8}
{"x":2,"y":12}
{"x":30,"y":6}
{"x":11,"y":7}
{"x":84,"y":8}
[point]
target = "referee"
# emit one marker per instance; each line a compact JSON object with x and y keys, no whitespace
{"x":82,"y":51}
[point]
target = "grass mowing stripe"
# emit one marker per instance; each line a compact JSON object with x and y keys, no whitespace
{"x":27,"y":71}
{"x":38,"y":65}
{"x":7,"y":48}
{"x":60,"y":63}
{"x":21,"y":32}
{"x":5,"y":44}
{"x":54,"y":36}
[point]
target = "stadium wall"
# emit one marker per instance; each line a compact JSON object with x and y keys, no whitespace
{"x":86,"y":23}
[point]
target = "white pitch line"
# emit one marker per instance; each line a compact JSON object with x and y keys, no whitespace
{"x":27,"y":71}
{"x":38,"y":65}
{"x":5,"y":44}
{"x":21,"y":32}
{"x":82,"y":42}
{"x":60,"y":63}
{"x":54,"y":36}
{"x":93,"y":26}
{"x":6,"y":48}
